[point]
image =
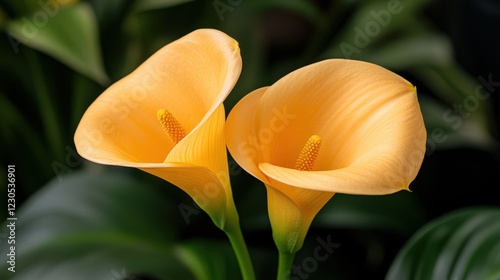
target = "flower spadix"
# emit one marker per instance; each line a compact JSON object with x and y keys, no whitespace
{"x":336,"y":126}
{"x":167,"y":118}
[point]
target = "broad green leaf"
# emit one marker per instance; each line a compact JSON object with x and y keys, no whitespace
{"x":69,"y":34}
{"x":433,"y":112}
{"x":401,"y":52}
{"x":399,"y":212}
{"x":464,"y":244}
{"x":453,"y":85}
{"x":373,"y":24}
{"x":411,"y":51}
{"x":387,"y":15}
{"x":448,"y":129}
{"x":144,"y":5}
{"x":94,"y":226}
{"x":468,"y":111}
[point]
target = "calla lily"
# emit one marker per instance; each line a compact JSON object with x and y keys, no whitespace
{"x":167,"y":118}
{"x":336,"y":126}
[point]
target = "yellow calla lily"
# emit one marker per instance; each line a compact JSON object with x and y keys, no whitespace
{"x":334,"y":126}
{"x":167,"y":118}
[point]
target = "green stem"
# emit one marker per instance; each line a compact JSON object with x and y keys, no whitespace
{"x":284,"y":266}
{"x":241,"y":251}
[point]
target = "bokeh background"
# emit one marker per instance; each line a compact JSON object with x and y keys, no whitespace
{"x":79,"y":220}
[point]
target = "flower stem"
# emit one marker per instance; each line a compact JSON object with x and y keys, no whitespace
{"x":241,"y":251}
{"x":284,"y":266}
{"x":232,"y":229}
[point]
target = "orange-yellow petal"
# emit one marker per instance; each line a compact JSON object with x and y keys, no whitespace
{"x":371,"y":129}
{"x":241,"y":140}
{"x":189,"y":77}
{"x":199,"y":183}
{"x":206,"y":147}
{"x":369,"y":120}
{"x":291,"y":212}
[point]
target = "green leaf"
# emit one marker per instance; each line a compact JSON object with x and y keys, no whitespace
{"x":372,"y":23}
{"x":388,"y":15}
{"x":69,"y":34}
{"x":417,"y":48}
{"x":96,"y":225}
{"x":453,"y":85}
{"x":399,"y":212}
{"x":411,"y":51}
{"x":468,"y":111}
{"x":145,"y":5}
{"x":463,"y":244}
{"x":448,"y":129}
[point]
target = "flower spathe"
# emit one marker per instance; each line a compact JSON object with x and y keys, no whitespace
{"x":359,"y":126}
{"x":182,"y":86}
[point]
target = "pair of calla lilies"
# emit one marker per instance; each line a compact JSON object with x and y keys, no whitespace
{"x":334,"y":126}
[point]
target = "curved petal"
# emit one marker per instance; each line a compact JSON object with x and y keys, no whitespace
{"x":198,"y":166}
{"x":199,"y":183}
{"x":376,"y":146}
{"x":286,"y":221}
{"x":372,"y":139}
{"x":291,"y":212}
{"x":371,"y":178}
{"x":206,"y":147}
{"x":241,"y":139}
{"x":189,"y":77}
{"x":376,"y":167}
{"x":339,"y":100}
{"x":368,"y":118}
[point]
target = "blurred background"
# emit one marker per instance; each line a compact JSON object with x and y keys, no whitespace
{"x":78,"y":220}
